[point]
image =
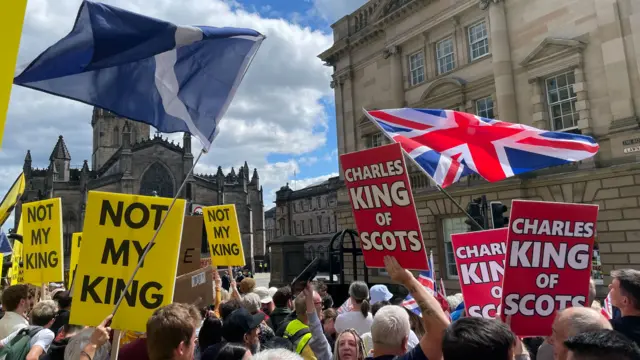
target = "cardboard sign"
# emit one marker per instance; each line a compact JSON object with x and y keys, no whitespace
{"x":223,"y":235}
{"x":383,"y":207}
{"x":16,"y":272}
{"x":76,"y":241}
{"x":548,"y":262}
{"x":480,"y":262}
{"x":189,"y":259}
{"x":120,"y":228}
{"x":42,"y":239}
{"x":195,"y":287}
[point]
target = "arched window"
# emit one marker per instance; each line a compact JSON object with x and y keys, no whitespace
{"x":157,"y":178}
{"x":115,"y":138}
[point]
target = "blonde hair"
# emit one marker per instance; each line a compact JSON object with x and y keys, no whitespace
{"x":360,"y":350}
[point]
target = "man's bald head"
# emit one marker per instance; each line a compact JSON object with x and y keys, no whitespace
{"x":581,"y":319}
{"x":572,"y":321}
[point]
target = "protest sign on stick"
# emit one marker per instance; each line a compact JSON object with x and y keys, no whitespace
{"x":480,"y":262}
{"x":76,"y":241}
{"x":548,"y":262}
{"x":223,"y":235}
{"x":383,"y":207}
{"x":42,"y":239}
{"x":119,"y":229}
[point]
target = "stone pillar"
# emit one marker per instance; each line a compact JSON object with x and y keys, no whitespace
{"x":615,"y":66}
{"x":582,"y":103}
{"x":501,"y":61}
{"x":540,"y":113}
{"x":337,"y":88}
{"x":396,"y":90}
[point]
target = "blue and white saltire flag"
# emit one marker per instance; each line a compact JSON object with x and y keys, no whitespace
{"x":175,"y":78}
{"x":5,"y":245}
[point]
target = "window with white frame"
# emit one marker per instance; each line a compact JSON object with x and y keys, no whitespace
{"x":416,"y":68}
{"x":452,"y":226}
{"x":484,"y":107}
{"x":375,"y":140}
{"x":478,"y":40}
{"x":445,"y":56}
{"x":562,"y":101}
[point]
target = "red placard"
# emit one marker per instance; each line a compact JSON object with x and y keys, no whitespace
{"x":548,"y":262}
{"x":480,"y":261}
{"x":383,"y":207}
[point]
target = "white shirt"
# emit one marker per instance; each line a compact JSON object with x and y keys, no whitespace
{"x":354,"y":320}
{"x":11,"y":322}
{"x":43,"y":338}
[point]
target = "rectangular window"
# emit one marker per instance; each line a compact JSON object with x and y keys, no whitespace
{"x":452,"y":226}
{"x":562,"y":102}
{"x":375,"y":140}
{"x":416,"y":68}
{"x":484,"y":108}
{"x":445,"y":55}
{"x":310,"y":226}
{"x":319,"y":224}
{"x":302,"y":226}
{"x":478,"y":41}
{"x":319,"y":202}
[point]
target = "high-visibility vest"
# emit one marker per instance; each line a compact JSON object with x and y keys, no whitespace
{"x":299,"y":334}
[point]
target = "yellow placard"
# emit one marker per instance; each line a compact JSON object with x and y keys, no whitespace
{"x":16,"y":273}
{"x":76,"y":240}
{"x":43,"y":258}
{"x":120,"y":228}
{"x":223,"y":235}
{"x":11,"y":19}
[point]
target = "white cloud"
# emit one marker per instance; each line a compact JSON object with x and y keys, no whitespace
{"x":333,"y":10}
{"x":308,"y":161}
{"x":278,"y":108}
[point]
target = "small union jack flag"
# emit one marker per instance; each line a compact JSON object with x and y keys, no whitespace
{"x":426,"y":279}
{"x":449,"y":144}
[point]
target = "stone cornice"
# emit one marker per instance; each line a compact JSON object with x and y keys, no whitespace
{"x":370,"y":32}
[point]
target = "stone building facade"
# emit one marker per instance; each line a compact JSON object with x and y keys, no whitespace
{"x":270,"y":224}
{"x":569,"y":65}
{"x":308,"y":214}
{"x":127,"y":160}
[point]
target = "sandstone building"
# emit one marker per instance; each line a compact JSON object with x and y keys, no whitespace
{"x":309,"y":215}
{"x":127,"y":160}
{"x":570,"y":65}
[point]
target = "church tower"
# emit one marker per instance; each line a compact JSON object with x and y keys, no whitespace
{"x":108,"y":135}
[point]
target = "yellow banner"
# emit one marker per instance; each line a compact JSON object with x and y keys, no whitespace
{"x":120,"y":228}
{"x":223,"y":235}
{"x":9,"y":201}
{"x":76,"y":240}
{"x":16,"y":273}
{"x":11,"y":19}
{"x":43,"y":256}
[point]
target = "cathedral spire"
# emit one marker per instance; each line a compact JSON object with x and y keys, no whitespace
{"x":255,"y":179}
{"x":220,"y":173}
{"x":26,"y":167}
{"x":27,"y":158}
{"x":60,"y":151}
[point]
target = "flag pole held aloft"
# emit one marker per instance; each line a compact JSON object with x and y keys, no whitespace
{"x":175,"y":78}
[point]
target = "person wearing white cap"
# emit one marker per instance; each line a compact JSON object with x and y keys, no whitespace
{"x":379,"y":293}
{"x":266,"y":299}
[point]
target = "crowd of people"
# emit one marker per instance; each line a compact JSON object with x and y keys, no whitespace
{"x":250,"y":322}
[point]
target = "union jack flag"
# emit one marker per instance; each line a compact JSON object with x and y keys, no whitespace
{"x":426,"y":279}
{"x":449,"y":144}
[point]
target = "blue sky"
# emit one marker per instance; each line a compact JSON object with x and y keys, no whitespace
{"x":281,"y":121}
